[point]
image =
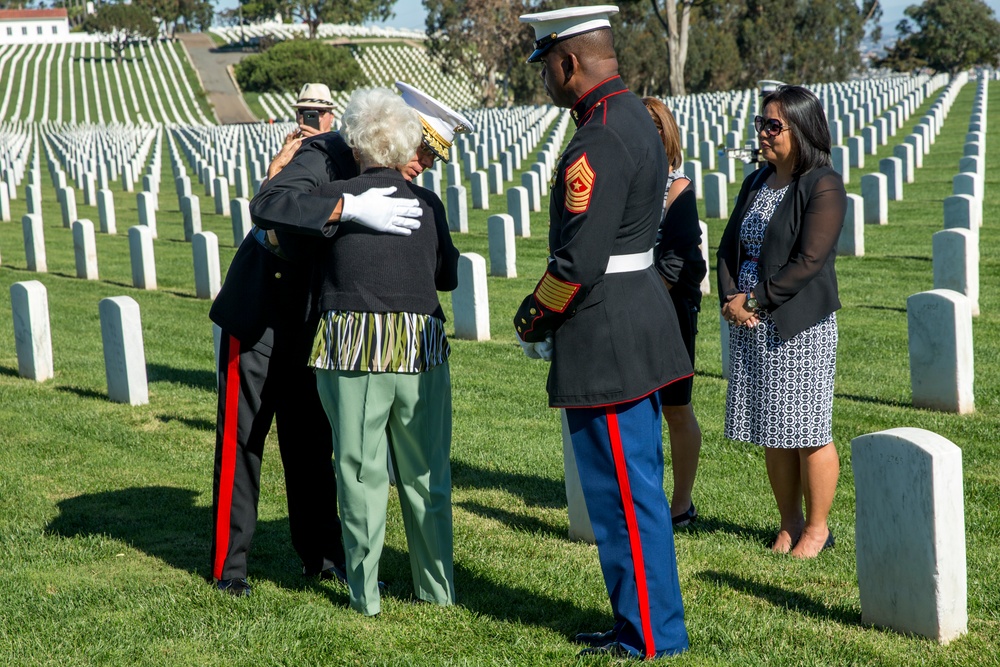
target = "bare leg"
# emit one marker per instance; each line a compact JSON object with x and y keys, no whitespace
{"x":685,"y":445}
{"x":783,"y":469}
{"x":820,"y":468}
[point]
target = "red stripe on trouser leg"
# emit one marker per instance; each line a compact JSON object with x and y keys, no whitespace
{"x":635,"y":544}
{"x":228,"y":473}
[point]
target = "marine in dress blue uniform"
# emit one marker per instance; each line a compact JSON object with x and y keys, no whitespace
{"x":605,"y":314}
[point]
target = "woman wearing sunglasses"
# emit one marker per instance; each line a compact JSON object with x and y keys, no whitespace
{"x":778,"y":291}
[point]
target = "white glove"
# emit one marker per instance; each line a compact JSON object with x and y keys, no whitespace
{"x":376,"y":210}
{"x":529,"y":349}
{"x":544,"y":349}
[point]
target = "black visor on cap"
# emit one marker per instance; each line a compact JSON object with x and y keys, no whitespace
{"x":542,"y":46}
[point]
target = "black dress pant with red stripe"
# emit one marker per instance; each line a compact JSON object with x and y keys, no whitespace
{"x":257,"y":384}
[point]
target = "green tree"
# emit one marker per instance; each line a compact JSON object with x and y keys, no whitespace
{"x":714,"y":61}
{"x":641,"y":49}
{"x":174,"y":13}
{"x":947,"y":36}
{"x":316,"y":12}
{"x":484,"y":39}
{"x":675,"y":17}
{"x":121,"y":25}
{"x":286,"y":66}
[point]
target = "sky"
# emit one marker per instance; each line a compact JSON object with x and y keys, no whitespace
{"x":411,"y":13}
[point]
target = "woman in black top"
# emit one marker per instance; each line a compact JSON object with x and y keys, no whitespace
{"x":778,"y":291}
{"x":682,"y":267}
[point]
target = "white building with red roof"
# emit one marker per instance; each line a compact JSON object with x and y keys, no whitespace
{"x":26,"y":26}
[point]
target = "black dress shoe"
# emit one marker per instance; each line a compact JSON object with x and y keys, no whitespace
{"x":596,"y":638}
{"x":334,"y":572}
{"x":338,"y":573}
{"x":686,"y":518}
{"x":238,"y":588}
{"x":612,"y":649}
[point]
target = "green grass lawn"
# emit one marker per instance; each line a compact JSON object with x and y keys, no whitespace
{"x":105,"y":508}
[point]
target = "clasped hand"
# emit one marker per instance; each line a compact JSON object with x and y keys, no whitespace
{"x":376,"y":210}
{"x":737,"y":314}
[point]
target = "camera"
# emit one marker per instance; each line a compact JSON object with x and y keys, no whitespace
{"x":310,"y":117}
{"x":747,"y":154}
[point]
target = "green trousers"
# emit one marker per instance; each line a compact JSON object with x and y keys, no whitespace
{"x":416,"y":408}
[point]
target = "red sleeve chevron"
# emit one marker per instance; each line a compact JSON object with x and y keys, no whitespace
{"x":579,"y":185}
{"x":555,"y":294}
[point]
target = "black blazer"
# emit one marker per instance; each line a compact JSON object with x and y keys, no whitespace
{"x":266,"y":301}
{"x":798,"y":282}
{"x":678,"y":256}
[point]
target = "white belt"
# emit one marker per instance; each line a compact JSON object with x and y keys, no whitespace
{"x":627,"y":263}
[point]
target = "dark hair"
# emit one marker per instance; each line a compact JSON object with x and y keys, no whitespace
{"x":803,"y":111}
{"x":667,"y":127}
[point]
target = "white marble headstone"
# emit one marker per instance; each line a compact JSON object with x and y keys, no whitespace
{"x":191,"y":212}
{"x":500,"y":234}
{"x":874,"y":191}
{"x":956,"y":263}
{"x":124,"y":354}
{"x":517,"y":208}
{"x":458,"y":209}
{"x":85,"y":250}
{"x":910,"y":532}
{"x":239,"y":215}
{"x":32,"y":336}
{"x":939,"y":324}
{"x":852,"y":234}
{"x":470,"y":300}
{"x":207,"y":276}
{"x":140,"y":247}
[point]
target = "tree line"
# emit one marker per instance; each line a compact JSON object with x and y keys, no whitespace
{"x":665,"y":47}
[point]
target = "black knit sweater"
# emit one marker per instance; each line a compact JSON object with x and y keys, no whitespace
{"x":365,"y":271}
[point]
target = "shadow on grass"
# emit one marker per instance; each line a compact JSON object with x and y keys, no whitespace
{"x":535,"y":491}
{"x":891,"y":308}
{"x":784,"y":598}
{"x":11,"y":372}
{"x":527,"y":524}
{"x":888,"y":402}
{"x":84,"y":393}
{"x":197,"y":424}
{"x":506,"y":602}
{"x":196,"y":379}
{"x":917,"y":258}
{"x":709,"y":524}
{"x":179,"y":294}
{"x":164,"y":522}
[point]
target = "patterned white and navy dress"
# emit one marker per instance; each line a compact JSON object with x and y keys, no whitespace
{"x":780,"y":392}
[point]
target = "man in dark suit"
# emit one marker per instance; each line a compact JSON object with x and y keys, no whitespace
{"x":602,"y":315}
{"x":267,"y":326}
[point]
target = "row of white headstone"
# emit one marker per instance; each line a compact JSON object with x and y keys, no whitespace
{"x":121,"y":335}
{"x":157,"y":64}
{"x":910,"y":514}
{"x":942,"y":365}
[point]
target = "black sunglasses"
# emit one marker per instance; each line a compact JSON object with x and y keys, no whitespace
{"x":772,"y":126}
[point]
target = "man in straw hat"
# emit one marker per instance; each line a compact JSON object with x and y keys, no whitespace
{"x":262,"y":377}
{"x":602,"y":315}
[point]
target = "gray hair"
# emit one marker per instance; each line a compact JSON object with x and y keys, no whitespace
{"x":380,"y":128}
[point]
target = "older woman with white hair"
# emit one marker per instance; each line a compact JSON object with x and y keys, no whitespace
{"x":381,"y":359}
